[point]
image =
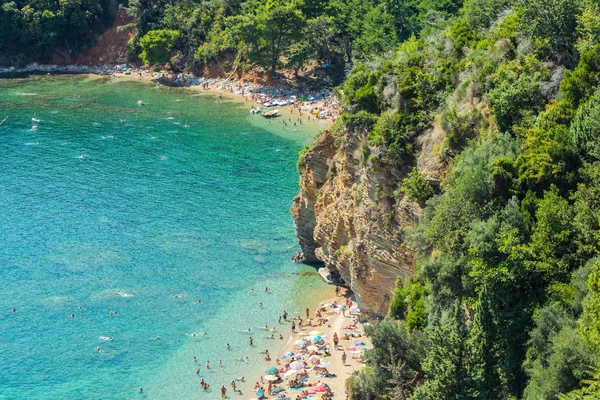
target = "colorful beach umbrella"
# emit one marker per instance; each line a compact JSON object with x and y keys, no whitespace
{"x":270,"y":378}
{"x":296,"y":366}
{"x":320,"y":388}
{"x":299,"y":342}
{"x":272,"y":371}
{"x":288,"y":355}
{"x":312,"y":348}
{"x":316,"y":333}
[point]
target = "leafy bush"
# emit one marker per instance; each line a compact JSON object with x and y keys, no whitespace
{"x":398,"y":306}
{"x":361,"y":121}
{"x":416,"y":187}
{"x":156,"y":45}
{"x":585,"y":130}
{"x":460,"y":127}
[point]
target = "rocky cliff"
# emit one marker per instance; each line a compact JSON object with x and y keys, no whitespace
{"x":351,"y":215}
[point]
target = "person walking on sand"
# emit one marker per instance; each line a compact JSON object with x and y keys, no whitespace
{"x":293,"y":326}
{"x":344,"y":357}
{"x":336,"y":340}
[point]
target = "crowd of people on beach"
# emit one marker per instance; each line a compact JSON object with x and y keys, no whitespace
{"x":303,"y":372}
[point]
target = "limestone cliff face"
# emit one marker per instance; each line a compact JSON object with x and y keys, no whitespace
{"x":350,"y":215}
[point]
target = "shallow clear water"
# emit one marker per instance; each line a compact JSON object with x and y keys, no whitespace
{"x":179,"y":196}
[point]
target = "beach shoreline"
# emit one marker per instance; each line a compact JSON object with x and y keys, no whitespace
{"x":304,"y":106}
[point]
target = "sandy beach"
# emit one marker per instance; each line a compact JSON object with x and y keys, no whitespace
{"x":310,"y":361}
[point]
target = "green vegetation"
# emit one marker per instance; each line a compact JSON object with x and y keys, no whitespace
{"x":156,"y":45}
{"x":32,"y":29}
{"x":504,"y":302}
{"x":271,"y":34}
{"x":416,"y":187}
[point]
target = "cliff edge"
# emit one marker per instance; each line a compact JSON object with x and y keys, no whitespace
{"x":351,"y":215}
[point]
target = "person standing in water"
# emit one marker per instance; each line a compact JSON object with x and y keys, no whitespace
{"x":223,"y":392}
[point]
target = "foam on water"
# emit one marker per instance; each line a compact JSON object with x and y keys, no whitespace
{"x":129,"y":224}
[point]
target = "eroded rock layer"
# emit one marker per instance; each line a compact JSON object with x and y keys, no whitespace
{"x":351,"y":215}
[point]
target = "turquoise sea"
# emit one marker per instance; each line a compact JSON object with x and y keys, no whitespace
{"x":141,"y":210}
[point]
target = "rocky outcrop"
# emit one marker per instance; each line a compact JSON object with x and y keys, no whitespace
{"x":351,"y":215}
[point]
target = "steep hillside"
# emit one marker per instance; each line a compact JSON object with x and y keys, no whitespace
{"x":466,"y":164}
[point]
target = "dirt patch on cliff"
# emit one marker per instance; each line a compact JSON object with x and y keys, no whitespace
{"x":110,"y":46}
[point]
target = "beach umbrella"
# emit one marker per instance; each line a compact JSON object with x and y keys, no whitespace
{"x":278,"y":389}
{"x":288,"y":355}
{"x":299,"y":342}
{"x":318,"y":337}
{"x":320,"y":388}
{"x":314,"y":358}
{"x":270,"y":378}
{"x":323,"y":365}
{"x":291,"y":372}
{"x":272,"y":371}
{"x":316,"y":333}
{"x":296,"y":366}
{"x":311,"y":348}
{"x":354,"y":309}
